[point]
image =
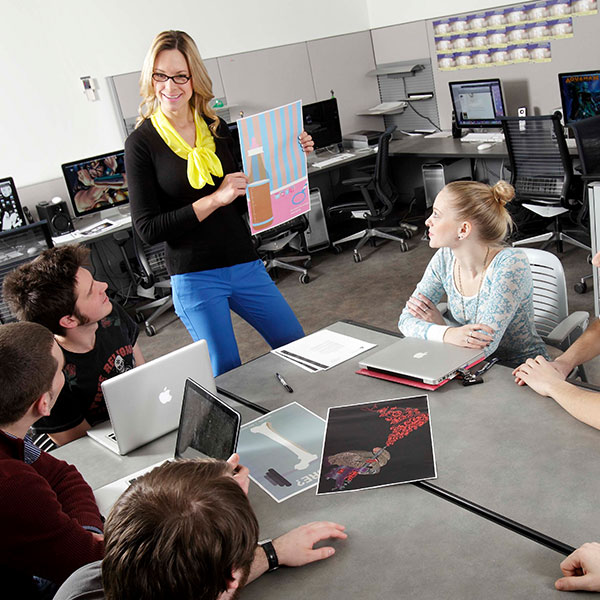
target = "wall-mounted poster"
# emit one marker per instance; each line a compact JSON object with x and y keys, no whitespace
{"x":377,"y":444}
{"x":276,"y":166}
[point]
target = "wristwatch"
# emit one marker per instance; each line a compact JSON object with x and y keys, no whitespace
{"x":267,"y":546}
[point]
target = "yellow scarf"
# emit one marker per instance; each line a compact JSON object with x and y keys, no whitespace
{"x":202,"y":162}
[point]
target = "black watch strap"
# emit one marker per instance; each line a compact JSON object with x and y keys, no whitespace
{"x":272,"y":559}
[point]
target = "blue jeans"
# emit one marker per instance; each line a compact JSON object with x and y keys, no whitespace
{"x":203,"y":301}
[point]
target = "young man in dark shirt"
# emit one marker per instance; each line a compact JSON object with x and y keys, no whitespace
{"x":98,"y":338}
{"x":49,"y":520}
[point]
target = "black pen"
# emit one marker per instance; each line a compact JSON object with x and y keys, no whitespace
{"x":284,"y":383}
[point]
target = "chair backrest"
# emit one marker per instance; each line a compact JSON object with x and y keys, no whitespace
{"x":296,"y":225}
{"x":540,"y":164}
{"x":385,"y":190}
{"x":587,"y":136}
{"x":550,"y":304}
{"x":151,"y":259}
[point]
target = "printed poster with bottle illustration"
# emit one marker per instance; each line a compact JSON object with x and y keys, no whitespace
{"x":276,"y":166}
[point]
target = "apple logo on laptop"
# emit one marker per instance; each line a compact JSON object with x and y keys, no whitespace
{"x":165,"y":396}
{"x":419,"y":354}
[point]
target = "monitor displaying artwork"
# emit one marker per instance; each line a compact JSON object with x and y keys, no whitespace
{"x":11,"y":213}
{"x":478,"y":103}
{"x":97,"y":183}
{"x":580,"y":95}
{"x":322,"y":122}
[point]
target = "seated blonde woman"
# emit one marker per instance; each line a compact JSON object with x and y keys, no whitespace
{"x":488,"y":286}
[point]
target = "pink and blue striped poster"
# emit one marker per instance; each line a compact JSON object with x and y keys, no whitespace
{"x":276,"y":166}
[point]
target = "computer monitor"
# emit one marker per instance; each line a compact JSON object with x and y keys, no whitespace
{"x":322,"y":122}
{"x":97,"y":183}
{"x":477,"y":103}
{"x":11,"y":213}
{"x":237,"y":151}
{"x":580,"y":95}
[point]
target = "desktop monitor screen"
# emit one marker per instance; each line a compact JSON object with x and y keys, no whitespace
{"x":11,"y":213}
{"x":477,"y":103}
{"x":322,"y":122}
{"x":580,"y":95}
{"x":97,"y":183}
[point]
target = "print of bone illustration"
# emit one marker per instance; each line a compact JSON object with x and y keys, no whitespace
{"x":269,"y":431}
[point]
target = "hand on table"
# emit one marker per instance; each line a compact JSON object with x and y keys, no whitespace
{"x":539,"y":374}
{"x":477,"y":335}
{"x":295,"y":548}
{"x":423,"y":308}
{"x":306,"y":142}
{"x":581,"y":569}
{"x":240,"y":472}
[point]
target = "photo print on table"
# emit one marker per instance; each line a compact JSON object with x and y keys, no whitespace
{"x":376,"y":444}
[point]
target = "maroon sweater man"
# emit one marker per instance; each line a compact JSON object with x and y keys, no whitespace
{"x":49,"y":520}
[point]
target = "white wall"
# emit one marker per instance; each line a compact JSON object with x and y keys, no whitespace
{"x":46,"y":120}
{"x":391,"y":12}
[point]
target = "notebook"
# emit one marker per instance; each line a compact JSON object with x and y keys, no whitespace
{"x":421,"y":360}
{"x":207,"y":428}
{"x":145,"y":403}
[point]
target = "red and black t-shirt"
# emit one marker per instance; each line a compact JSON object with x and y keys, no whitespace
{"x":81,"y":397}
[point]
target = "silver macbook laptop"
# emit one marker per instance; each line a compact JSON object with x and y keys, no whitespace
{"x":423,"y":360}
{"x":145,"y":403}
{"x":207,"y":428}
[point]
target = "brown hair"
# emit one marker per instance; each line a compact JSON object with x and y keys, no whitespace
{"x":178,"y":532}
{"x":43,"y":290}
{"x":201,"y":83}
{"x":483,"y":205}
{"x":28,"y":368}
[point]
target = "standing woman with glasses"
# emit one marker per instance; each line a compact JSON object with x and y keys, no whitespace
{"x":489,"y":287}
{"x":185,"y":190}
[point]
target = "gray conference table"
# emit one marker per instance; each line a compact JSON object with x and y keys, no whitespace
{"x":404,"y":541}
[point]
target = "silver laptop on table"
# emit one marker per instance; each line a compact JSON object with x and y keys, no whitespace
{"x":145,"y":403}
{"x":423,"y":360}
{"x":207,"y":428}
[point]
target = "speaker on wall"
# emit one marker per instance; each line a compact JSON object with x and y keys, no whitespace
{"x":57,"y":215}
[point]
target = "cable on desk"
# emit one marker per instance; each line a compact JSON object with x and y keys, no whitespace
{"x":257,"y":407}
{"x":497,"y":518}
{"x":423,"y":116}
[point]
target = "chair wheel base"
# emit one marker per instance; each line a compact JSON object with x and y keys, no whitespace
{"x":304,"y":278}
{"x":139,"y":317}
{"x":336,"y":249}
{"x":357,"y":257}
{"x":581,"y":287}
{"x":150,"y":330}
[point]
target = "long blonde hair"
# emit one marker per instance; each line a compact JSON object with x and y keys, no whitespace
{"x":202,"y":92}
{"x":485,"y":206}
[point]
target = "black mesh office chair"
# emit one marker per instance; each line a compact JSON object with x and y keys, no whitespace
{"x":375,"y":203}
{"x":542,"y":174}
{"x":271,"y":243}
{"x":587,"y":137}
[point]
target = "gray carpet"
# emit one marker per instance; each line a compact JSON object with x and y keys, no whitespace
{"x":372,"y":291}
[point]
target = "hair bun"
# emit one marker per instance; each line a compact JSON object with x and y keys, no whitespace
{"x":503,"y":192}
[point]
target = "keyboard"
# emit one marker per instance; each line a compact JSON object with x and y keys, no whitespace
{"x":331,"y":161}
{"x":480,"y":138}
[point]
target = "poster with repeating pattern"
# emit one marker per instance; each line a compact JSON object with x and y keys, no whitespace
{"x":276,"y":166}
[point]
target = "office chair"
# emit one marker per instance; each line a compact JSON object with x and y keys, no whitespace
{"x":553,"y":322}
{"x":377,"y":202}
{"x":587,"y":137}
{"x":541,"y":173}
{"x":270,"y":243}
{"x":151,"y":273}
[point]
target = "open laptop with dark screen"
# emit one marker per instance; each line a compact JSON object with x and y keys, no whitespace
{"x":208,"y":428}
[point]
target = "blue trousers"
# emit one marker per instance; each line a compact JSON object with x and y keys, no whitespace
{"x":203,"y":301}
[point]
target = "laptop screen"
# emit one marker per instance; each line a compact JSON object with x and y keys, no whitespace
{"x":208,"y":426}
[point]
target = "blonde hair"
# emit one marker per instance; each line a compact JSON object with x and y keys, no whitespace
{"x":202,"y":92}
{"x":485,"y":206}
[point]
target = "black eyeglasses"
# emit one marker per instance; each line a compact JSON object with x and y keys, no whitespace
{"x":179,"y":79}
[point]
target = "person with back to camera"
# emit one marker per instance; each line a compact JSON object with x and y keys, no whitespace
{"x":489,"y":287}
{"x":185,"y":190}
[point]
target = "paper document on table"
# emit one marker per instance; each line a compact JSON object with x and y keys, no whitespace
{"x":322,"y":350}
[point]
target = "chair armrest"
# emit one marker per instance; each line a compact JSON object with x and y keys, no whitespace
{"x":357,"y":181}
{"x":576,"y":320}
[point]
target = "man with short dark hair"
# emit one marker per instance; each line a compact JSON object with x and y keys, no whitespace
{"x":49,"y":520}
{"x":97,"y":336}
{"x":186,"y":530}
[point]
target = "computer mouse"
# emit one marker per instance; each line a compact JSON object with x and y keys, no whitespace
{"x":485,"y":146}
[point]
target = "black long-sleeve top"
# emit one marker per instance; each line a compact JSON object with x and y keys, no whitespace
{"x":161,"y":205}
